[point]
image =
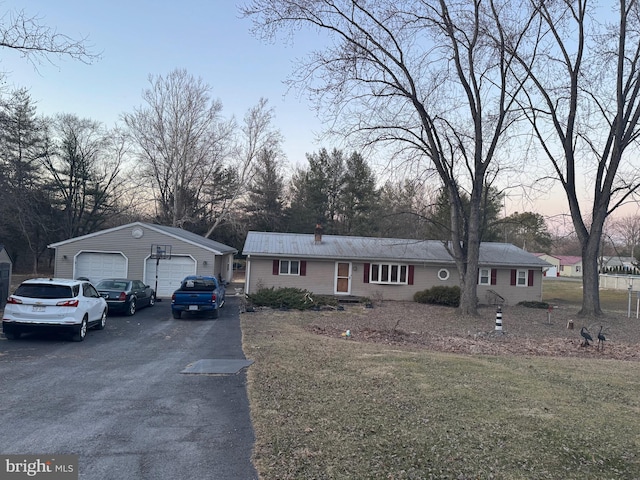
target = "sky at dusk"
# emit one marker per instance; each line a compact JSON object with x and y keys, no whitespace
{"x":210,"y":40}
{"x":137,"y":38}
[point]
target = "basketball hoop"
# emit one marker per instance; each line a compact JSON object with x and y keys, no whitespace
{"x":159,"y":252}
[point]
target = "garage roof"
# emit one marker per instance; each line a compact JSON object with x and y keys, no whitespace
{"x":270,"y":244}
{"x":179,"y":233}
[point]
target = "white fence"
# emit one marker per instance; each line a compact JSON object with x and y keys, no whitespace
{"x":620,"y":282}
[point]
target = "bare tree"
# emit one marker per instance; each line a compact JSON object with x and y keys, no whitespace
{"x":627,"y":231}
{"x":84,"y":175}
{"x":583,"y":102}
{"x":257,"y":136}
{"x":419,"y":78}
{"x":182,"y":141}
{"x":36,"y":42}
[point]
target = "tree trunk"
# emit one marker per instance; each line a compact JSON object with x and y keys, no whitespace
{"x":590,"y":278}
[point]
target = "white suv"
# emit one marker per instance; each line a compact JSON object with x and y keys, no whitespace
{"x":54,"y":303}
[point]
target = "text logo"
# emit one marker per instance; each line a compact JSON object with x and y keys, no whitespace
{"x":49,"y":467}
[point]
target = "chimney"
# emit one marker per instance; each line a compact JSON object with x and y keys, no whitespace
{"x":318,"y":233}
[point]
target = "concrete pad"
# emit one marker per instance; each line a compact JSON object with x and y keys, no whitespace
{"x":216,"y":366}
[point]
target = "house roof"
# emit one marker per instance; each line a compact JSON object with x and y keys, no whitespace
{"x":568,"y":259}
{"x":294,"y":245}
{"x":609,"y":261}
{"x":184,"y":235}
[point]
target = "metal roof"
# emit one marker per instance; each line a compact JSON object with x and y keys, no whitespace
{"x":268,"y":244}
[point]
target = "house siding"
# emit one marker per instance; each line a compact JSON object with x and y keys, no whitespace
{"x":136,"y":251}
{"x":320,"y":279}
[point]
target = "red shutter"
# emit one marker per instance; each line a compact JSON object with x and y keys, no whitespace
{"x":530,"y":282}
{"x":410,"y":276}
{"x":276,"y":267}
{"x":494,"y":276}
{"x":514,"y":274}
{"x":365,"y":278}
{"x":303,"y":267}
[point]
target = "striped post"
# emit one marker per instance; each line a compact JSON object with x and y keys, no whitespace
{"x":499,"y":319}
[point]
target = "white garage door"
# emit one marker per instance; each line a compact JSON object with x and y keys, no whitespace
{"x":96,"y":266}
{"x":170,"y":273}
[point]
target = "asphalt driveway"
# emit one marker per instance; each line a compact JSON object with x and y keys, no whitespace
{"x":121,"y":402}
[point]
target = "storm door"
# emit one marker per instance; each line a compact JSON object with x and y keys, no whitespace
{"x":343,"y":278}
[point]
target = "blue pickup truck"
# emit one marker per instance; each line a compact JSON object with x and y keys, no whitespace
{"x":198,"y":294}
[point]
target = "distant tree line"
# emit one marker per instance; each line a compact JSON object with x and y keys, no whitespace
{"x":64,"y":176}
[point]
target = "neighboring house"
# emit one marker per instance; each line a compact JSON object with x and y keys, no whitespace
{"x":570,"y":266}
{"x":617,"y":264}
{"x":5,"y":275}
{"x":554,"y":268}
{"x":129,"y":251}
{"x":387,"y":268}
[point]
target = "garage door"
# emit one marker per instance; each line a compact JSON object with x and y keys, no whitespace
{"x":96,"y":266}
{"x":170,"y":273}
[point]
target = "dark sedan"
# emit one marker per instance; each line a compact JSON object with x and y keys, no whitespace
{"x":126,"y":296}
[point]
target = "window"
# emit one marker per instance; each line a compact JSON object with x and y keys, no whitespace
{"x":522,"y":278}
{"x":389,"y":273}
{"x":443,"y":274}
{"x":484,"y":276}
{"x":289,"y":267}
{"x":578,"y":269}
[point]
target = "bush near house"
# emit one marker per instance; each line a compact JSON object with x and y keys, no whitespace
{"x":290,"y":298}
{"x":439,"y":295}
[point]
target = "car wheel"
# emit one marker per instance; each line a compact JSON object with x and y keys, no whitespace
{"x":152,"y":300}
{"x":12,"y":335}
{"x":177,"y":315}
{"x":215,"y":313}
{"x":131,"y":308}
{"x":103,"y":321}
{"x":81,"y":332}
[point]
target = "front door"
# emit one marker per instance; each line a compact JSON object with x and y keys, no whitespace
{"x":343,"y":278}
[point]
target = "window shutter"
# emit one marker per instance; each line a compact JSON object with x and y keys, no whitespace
{"x":514,"y":273}
{"x":366,"y":273}
{"x":276,"y":267}
{"x":494,"y":276}
{"x":303,"y":267}
{"x":410,"y":275}
{"x":530,"y":281}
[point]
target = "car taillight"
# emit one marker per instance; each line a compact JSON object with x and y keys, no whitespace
{"x":122,"y":297}
{"x":213,"y":297}
{"x":68,"y":303}
{"x":14,"y":300}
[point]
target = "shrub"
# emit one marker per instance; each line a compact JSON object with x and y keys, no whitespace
{"x":295,"y":298}
{"x":440,"y":295}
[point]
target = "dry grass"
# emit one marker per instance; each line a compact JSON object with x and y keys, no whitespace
{"x":418,"y":393}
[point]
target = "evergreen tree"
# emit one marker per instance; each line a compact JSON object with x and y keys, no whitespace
{"x":25,"y":209}
{"x":526,"y":230}
{"x":264,"y":207}
{"x":316,"y":193}
{"x":491,"y":204}
{"x":358,"y":198}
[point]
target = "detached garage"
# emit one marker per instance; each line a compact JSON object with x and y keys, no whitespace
{"x":159,"y":256}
